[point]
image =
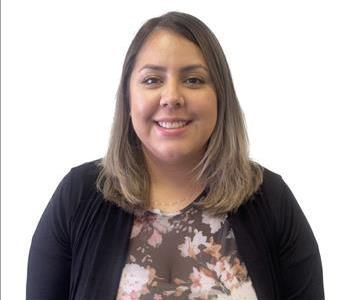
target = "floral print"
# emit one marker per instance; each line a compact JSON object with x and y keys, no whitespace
{"x":135,"y":280}
{"x":185,"y":255}
{"x":191,"y":246}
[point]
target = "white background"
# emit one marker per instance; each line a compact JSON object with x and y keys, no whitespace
{"x":61,"y":62}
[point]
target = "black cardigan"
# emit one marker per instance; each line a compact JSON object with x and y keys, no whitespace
{"x":80,"y":245}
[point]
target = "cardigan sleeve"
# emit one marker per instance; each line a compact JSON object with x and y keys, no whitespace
{"x":298,"y":254}
{"x":48,"y":274}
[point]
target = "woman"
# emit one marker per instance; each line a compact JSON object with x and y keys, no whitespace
{"x":176,"y":209}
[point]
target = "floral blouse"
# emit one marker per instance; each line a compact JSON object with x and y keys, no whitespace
{"x":185,"y":255}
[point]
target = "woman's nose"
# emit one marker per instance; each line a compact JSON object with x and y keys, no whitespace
{"x":172,"y":96}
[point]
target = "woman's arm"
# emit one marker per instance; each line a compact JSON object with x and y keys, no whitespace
{"x":49,"y":261}
{"x":299,"y":258}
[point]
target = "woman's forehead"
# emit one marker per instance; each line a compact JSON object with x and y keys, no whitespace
{"x":166,"y":48}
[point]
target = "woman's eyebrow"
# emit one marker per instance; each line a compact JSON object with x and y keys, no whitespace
{"x":193,"y":67}
{"x":182,"y":69}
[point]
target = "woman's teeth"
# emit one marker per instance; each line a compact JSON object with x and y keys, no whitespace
{"x":171,"y":125}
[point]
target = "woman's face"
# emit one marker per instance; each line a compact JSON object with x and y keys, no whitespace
{"x":172,"y":99}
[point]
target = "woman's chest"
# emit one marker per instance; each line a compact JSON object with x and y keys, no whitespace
{"x":191,"y":255}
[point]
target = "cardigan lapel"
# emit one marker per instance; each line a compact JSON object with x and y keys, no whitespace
{"x":252,"y":248}
{"x":102,"y":254}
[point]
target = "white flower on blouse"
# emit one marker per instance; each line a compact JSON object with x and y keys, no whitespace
{"x":215,"y":223}
{"x":240,"y":290}
{"x":162,"y":224}
{"x":223,"y":269}
{"x":134,"y":280}
{"x":190,"y":247}
{"x":244,"y":292}
{"x":201,"y":284}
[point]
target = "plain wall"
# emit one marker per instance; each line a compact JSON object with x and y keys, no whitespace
{"x":61,"y":62}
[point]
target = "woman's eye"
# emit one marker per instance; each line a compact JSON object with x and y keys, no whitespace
{"x":151,"y":81}
{"x":194,"y":81}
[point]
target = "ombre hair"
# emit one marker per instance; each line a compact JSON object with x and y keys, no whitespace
{"x":230,"y":176}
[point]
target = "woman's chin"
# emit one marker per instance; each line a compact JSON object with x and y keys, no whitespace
{"x":174,"y":157}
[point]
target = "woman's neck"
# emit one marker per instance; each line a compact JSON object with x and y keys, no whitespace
{"x":173,"y":186}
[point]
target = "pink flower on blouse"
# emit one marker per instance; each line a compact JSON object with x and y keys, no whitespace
{"x":136,"y":229}
{"x":155,"y":239}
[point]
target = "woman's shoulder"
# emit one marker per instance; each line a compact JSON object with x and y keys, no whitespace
{"x":277,"y":201}
{"x":87,"y":171}
{"x":272,"y":186}
{"x":78,"y":184}
{"x":82,"y":178}
{"x":274,"y":210}
{"x":273,"y":199}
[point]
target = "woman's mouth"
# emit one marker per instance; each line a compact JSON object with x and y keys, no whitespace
{"x":172,"y":129}
{"x":172,"y":125}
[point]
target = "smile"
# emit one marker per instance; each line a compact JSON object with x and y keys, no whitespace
{"x":173,"y":125}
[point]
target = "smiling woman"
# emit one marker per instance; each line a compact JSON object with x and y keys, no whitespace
{"x":176,"y":209}
{"x":173,"y":106}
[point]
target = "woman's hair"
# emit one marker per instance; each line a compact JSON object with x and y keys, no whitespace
{"x":230,"y":176}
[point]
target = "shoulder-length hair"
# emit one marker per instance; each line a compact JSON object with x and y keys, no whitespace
{"x":230,"y":176}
